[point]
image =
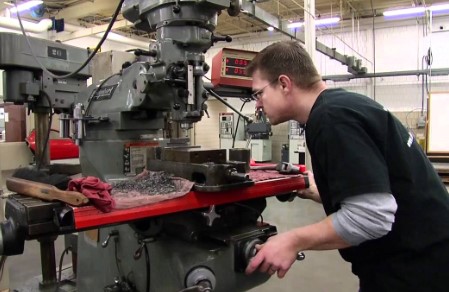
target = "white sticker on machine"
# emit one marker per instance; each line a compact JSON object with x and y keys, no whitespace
{"x":135,"y":156}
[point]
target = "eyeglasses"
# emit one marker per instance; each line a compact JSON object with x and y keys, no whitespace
{"x":258,"y":94}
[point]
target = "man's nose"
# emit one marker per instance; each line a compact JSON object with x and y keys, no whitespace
{"x":258,"y":103}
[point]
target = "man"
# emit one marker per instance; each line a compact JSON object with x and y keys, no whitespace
{"x":388,"y":211}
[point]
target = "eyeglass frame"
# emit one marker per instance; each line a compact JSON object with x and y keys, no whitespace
{"x":254,"y":95}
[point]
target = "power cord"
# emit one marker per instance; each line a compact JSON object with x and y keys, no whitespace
{"x":117,"y":260}
{"x":61,"y":259}
{"x":237,"y":126}
{"x":147,"y":262}
{"x":47,"y":138}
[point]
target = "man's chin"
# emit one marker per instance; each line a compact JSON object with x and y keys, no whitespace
{"x":274,"y":121}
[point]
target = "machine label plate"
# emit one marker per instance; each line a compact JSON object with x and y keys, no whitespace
{"x":57,"y":53}
{"x":104,"y":93}
{"x":135,"y":156}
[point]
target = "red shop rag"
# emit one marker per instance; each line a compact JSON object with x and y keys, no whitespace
{"x":98,"y":192}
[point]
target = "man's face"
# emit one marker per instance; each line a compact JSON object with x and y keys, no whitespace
{"x":270,"y":97}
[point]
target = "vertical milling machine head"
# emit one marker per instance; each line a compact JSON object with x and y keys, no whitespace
{"x":164,"y":83}
{"x":184,"y":32}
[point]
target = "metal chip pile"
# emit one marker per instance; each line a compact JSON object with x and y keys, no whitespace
{"x":155,"y":183}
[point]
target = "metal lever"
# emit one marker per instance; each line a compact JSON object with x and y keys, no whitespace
{"x":113,"y":233}
{"x":142,"y":242}
{"x":203,"y":286}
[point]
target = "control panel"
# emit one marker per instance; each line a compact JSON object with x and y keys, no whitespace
{"x":297,"y":143}
{"x":226,"y":125}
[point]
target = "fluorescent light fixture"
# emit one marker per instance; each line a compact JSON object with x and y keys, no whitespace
{"x":440,"y":7}
{"x":270,"y":28}
{"x":318,"y":22}
{"x":406,"y":11}
{"x":416,"y":10}
{"x":295,"y":24}
{"x":25,"y":6}
{"x":326,"y":21}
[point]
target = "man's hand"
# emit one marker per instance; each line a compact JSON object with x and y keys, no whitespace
{"x":276,"y":255}
{"x":311,"y":192}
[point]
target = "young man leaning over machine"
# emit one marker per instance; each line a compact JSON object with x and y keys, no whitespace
{"x":387,"y":209}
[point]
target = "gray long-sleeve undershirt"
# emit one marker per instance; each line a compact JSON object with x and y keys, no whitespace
{"x":365,"y":217}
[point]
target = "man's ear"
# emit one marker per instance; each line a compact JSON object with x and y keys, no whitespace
{"x":286,"y":83}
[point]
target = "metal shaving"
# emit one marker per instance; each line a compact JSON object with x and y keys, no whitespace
{"x":155,"y":183}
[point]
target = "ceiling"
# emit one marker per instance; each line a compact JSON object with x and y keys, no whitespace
{"x":90,"y":13}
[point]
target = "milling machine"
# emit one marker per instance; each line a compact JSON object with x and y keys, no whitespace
{"x":199,"y":242}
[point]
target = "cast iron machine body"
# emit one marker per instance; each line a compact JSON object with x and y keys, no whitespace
{"x":203,"y":241}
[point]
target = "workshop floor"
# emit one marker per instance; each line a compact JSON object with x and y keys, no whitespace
{"x":319,"y":272}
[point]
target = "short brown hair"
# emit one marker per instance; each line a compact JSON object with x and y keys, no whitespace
{"x":289,"y":58}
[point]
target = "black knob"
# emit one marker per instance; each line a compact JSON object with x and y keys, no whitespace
{"x":126,"y":64}
{"x":176,"y":9}
{"x":220,"y":38}
{"x":140,"y":52}
{"x":206,"y":67}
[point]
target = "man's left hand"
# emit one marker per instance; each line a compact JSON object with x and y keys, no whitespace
{"x":276,"y":255}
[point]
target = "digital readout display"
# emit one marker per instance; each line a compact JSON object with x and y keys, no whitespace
{"x":235,"y":71}
{"x":237,"y":62}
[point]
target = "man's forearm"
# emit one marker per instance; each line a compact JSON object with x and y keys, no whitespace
{"x":318,"y":236}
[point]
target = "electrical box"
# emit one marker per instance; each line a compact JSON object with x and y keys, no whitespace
{"x":261,"y":150}
{"x":297,"y":143}
{"x":228,"y":128}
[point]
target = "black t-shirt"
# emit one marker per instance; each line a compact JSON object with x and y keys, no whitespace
{"x":358,"y":147}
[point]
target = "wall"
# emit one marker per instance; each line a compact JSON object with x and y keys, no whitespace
{"x":389,"y":48}
{"x":205,"y":133}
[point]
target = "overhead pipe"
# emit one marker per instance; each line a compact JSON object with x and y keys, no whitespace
{"x":45,"y":25}
{"x":433,"y":72}
{"x":13,"y":23}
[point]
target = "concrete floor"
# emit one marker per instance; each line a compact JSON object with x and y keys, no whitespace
{"x":24,"y":267}
{"x":320,"y":271}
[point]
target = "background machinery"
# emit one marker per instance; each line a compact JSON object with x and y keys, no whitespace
{"x":296,"y":143}
{"x":200,"y":242}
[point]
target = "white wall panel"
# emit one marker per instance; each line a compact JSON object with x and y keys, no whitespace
{"x":206,"y":131}
{"x":398,"y":48}
{"x":440,"y":49}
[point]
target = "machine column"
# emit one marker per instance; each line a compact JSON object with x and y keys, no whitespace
{"x":42,"y":127}
{"x":48,"y":261}
{"x":47,"y":245}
